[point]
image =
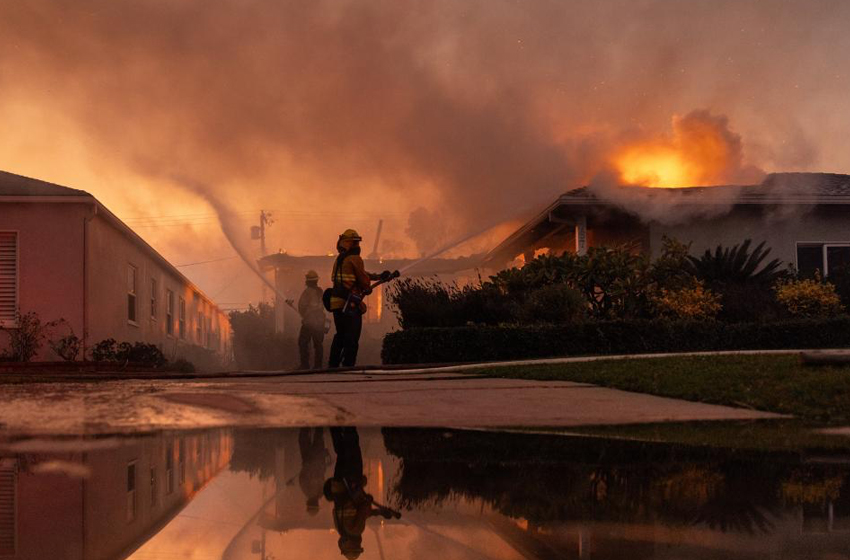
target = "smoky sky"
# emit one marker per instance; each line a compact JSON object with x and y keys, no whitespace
{"x":464,"y":111}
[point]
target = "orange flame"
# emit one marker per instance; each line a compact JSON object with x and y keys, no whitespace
{"x":701,"y":151}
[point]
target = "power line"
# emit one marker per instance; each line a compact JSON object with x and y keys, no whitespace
{"x":209,"y":261}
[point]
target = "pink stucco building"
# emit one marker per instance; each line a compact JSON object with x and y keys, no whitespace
{"x":63,"y":255}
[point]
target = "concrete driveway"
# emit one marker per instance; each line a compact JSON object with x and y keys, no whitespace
{"x":375,"y":398}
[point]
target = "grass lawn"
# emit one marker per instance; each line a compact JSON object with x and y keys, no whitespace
{"x":771,"y":383}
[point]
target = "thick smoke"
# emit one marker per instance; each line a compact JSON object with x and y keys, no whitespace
{"x":710,"y":152}
{"x":468,"y":110}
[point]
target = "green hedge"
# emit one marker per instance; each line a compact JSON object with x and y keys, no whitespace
{"x":488,"y":343}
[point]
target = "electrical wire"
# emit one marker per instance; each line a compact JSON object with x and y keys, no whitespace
{"x":209,"y":261}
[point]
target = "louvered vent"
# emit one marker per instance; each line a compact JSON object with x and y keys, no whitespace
{"x":8,"y":278}
{"x":8,"y":529}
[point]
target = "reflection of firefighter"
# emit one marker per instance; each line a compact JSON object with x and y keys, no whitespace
{"x":347,"y":490}
{"x":351,"y":283}
{"x":312,"y":322}
{"x":311,"y":443}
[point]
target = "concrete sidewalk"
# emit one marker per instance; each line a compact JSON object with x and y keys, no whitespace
{"x":377,"y":398}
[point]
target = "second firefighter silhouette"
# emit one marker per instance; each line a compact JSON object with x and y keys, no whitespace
{"x":313,"y":322}
{"x":351,"y":283}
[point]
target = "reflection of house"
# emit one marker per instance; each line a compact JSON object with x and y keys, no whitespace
{"x":289,"y":274}
{"x":803,"y":217}
{"x":131,"y":491}
{"x":64,"y":255}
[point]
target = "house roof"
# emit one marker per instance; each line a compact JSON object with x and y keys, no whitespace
{"x":776,"y":188}
{"x":18,"y":185}
{"x":793,"y":189}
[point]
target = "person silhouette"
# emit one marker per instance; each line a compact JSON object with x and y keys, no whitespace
{"x":352,"y":506}
{"x":314,"y":456}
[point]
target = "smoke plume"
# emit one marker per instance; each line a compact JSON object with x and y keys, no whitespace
{"x":336,"y":113}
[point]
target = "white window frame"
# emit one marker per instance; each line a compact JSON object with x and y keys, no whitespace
{"x":132,"y":495}
{"x":169,"y":312}
{"x":181,"y":319}
{"x":154,"y":287}
{"x":135,"y":294}
{"x":13,"y":322}
{"x":824,"y":246}
{"x":154,"y":487}
{"x":169,"y":472}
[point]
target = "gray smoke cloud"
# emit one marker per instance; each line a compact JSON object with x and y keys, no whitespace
{"x":466,"y":109}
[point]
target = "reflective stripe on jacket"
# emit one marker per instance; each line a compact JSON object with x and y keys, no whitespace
{"x":352,"y":276}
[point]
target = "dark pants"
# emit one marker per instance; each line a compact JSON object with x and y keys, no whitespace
{"x":346,"y":339}
{"x":317,"y":337}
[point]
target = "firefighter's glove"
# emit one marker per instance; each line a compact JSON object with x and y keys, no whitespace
{"x":386,"y":275}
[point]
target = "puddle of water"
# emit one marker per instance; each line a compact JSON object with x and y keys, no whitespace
{"x":240,"y":494}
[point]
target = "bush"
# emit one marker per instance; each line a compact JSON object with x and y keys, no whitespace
{"x":421,"y":302}
{"x":256,"y":345}
{"x":487,"y":343}
{"x":138,"y":353}
{"x":555,"y":303}
{"x":809,"y":298}
{"x":26,"y":339}
{"x":67,"y":347}
{"x":694,"y":302}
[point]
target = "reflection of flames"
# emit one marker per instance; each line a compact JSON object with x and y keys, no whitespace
{"x":701,"y":151}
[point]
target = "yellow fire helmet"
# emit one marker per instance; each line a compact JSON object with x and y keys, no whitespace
{"x":311,"y":275}
{"x":350,"y":235}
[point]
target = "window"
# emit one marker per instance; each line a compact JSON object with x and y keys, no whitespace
{"x":181,"y":326}
{"x":132,"y":273}
{"x":8,"y":507}
{"x":154,"y":495}
{"x":169,"y":312}
{"x":181,"y":462}
{"x":153,"y":298}
{"x":827,"y":258}
{"x":131,"y":492}
{"x":200,"y":328}
{"x":169,"y":468}
{"x":8,"y":278}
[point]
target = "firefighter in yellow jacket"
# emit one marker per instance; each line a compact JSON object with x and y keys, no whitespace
{"x":351,"y":283}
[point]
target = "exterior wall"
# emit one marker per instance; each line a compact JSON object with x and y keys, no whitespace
{"x":111,"y":253}
{"x":109,"y":531}
{"x":58,"y":516}
{"x":50,"y":260}
{"x":782,"y":231}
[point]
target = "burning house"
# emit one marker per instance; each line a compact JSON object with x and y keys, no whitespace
{"x":64,"y":255}
{"x":803,"y":217}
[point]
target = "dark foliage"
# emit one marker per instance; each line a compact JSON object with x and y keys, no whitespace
{"x":138,"y":353}
{"x":256,"y":345}
{"x":736,"y":265}
{"x":26,"y":339}
{"x":487,"y":343}
{"x":552,"y":479}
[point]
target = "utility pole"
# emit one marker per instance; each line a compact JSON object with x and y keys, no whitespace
{"x":259,"y":232}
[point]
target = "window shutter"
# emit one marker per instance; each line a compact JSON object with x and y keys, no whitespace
{"x":8,"y":521}
{"x":8,"y":278}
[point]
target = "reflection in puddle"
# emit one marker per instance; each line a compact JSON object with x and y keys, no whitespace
{"x":413,"y":494}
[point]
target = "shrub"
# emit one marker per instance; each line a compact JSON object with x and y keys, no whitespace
{"x":256,"y":345}
{"x":809,"y":298}
{"x":695,"y":302}
{"x":421,"y":302}
{"x":486,"y":343}
{"x":736,"y":265}
{"x":105,"y":351}
{"x":138,"y":353}
{"x":555,"y":303}
{"x":26,"y":339}
{"x":67,"y":347}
